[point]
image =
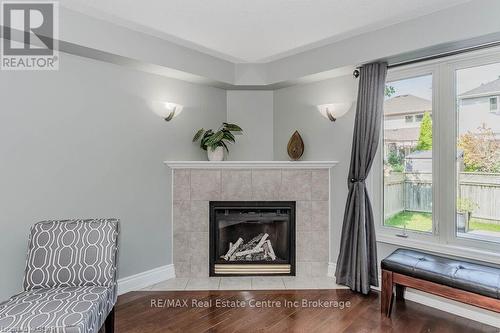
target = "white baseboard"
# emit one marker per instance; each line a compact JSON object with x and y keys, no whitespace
{"x":144,"y":279}
{"x":441,"y":303}
{"x":456,"y":308}
{"x":450,"y":306}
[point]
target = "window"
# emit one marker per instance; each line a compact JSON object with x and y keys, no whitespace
{"x":478,"y":154}
{"x":493,"y":104}
{"x":408,"y":155}
{"x":439,"y":175}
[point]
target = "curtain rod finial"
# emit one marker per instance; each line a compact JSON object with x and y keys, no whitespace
{"x":356,"y":73}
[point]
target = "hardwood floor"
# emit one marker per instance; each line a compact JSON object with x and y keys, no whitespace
{"x":173,"y":311}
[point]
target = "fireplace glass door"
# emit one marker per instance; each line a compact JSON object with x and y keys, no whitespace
{"x":257,"y":234}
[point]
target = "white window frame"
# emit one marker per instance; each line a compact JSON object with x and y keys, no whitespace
{"x":444,"y":103}
{"x":377,"y":181}
{"x":495,"y":110}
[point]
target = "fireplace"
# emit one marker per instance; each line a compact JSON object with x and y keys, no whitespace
{"x":252,"y":238}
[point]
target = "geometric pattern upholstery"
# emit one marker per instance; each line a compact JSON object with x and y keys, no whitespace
{"x":72,"y":253}
{"x":66,"y":309}
{"x":70,"y":278}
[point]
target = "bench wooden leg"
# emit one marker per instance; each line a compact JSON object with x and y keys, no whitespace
{"x":400,"y":292}
{"x":109,"y":324}
{"x":386,"y":294}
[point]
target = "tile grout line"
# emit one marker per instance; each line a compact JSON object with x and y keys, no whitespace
{"x":221,"y":186}
{"x":251,"y":184}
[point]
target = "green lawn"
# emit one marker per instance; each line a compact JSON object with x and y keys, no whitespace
{"x":423,"y":222}
{"x":478,"y":224}
{"x":413,"y":220}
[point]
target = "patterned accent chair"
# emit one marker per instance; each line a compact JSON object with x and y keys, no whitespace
{"x":69,"y":281}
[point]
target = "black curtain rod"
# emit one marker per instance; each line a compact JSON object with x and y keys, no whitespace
{"x":438,"y":56}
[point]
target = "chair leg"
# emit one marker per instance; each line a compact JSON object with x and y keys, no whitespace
{"x":386,"y":293}
{"x":109,"y":324}
{"x":400,"y":292}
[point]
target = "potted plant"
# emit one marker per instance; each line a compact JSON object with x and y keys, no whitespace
{"x":465,"y":207}
{"x":214,"y":142}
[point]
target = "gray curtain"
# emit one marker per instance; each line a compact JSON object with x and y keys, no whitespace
{"x":357,"y":261}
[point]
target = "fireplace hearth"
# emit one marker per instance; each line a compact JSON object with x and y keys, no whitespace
{"x":252,"y":238}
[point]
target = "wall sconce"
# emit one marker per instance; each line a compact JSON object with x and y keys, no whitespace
{"x":333,"y":111}
{"x":167,"y":110}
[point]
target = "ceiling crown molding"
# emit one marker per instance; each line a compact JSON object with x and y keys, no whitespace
{"x":98,"y":39}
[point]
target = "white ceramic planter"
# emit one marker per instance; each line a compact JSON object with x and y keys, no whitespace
{"x":215,"y":155}
{"x":462,"y":222}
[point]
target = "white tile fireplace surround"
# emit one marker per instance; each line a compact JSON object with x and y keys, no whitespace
{"x":195,"y":184}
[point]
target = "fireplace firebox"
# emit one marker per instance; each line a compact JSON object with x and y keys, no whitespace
{"x":252,"y":238}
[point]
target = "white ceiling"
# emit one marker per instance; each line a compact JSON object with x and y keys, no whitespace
{"x":256,"y":30}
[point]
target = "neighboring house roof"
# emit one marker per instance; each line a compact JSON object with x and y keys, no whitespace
{"x":486,"y":89}
{"x":401,"y":134}
{"x":406,"y":104}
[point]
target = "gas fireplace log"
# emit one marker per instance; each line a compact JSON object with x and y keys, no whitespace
{"x":250,"y":244}
{"x":258,"y":248}
{"x":270,"y":249}
{"x":262,"y":241}
{"x":247,"y":252}
{"x":261,"y":238}
{"x":258,"y":257}
{"x":266,"y":251}
{"x":255,"y":240}
{"x":233,"y":249}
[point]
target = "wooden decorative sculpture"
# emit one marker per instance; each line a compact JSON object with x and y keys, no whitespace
{"x":295,"y":146}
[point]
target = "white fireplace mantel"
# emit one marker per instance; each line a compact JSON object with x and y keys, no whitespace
{"x":251,"y":164}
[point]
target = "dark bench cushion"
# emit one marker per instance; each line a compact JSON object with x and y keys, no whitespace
{"x":477,"y":278}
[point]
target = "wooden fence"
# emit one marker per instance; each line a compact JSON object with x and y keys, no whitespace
{"x":413,"y":192}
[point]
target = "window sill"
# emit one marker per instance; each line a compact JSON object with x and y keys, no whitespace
{"x":447,"y":249}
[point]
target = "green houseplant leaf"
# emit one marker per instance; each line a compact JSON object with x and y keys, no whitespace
{"x":198,"y":134}
{"x":215,"y":139}
{"x":228,"y":136}
{"x":232,"y":127}
{"x":220,"y":138}
{"x":203,"y":143}
{"x":225,"y":146}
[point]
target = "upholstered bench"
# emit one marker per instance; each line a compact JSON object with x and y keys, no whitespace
{"x":69,"y":280}
{"x":472,"y":283}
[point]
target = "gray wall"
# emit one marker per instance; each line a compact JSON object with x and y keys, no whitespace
{"x":253,"y":111}
{"x":82,"y":142}
{"x":414,"y":38}
{"x":295,"y":109}
{"x":147,"y":46}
